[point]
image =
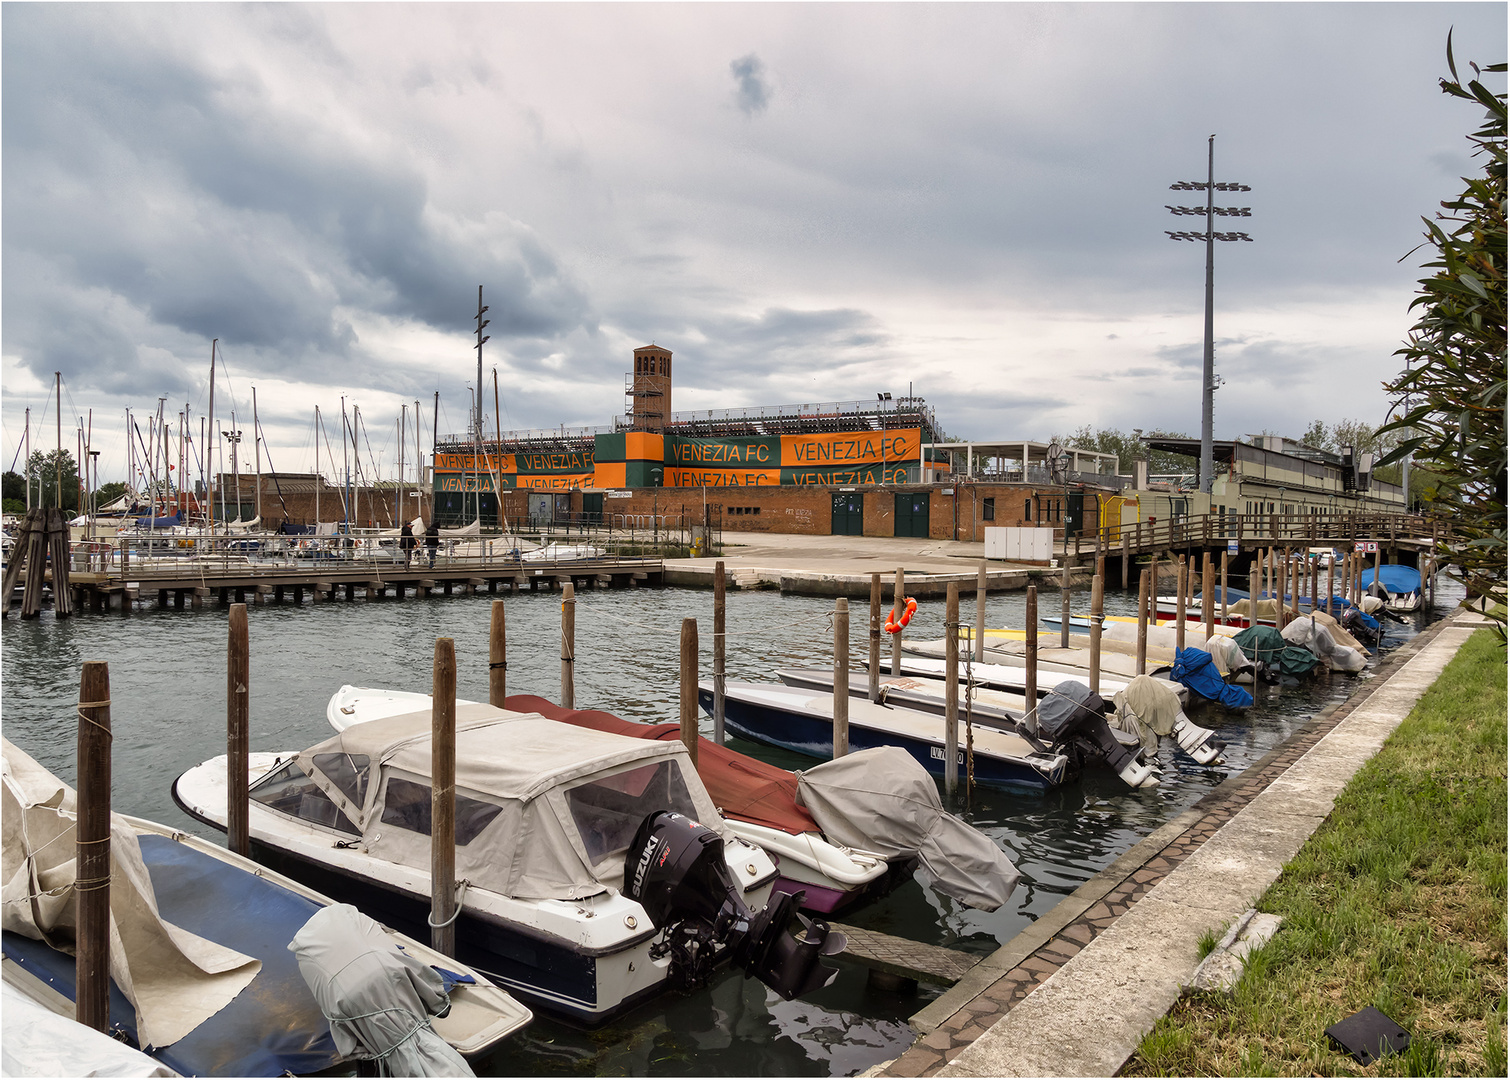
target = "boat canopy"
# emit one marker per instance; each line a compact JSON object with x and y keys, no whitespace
{"x":1394,"y":577}
{"x":171,"y":521}
{"x":537,"y":816}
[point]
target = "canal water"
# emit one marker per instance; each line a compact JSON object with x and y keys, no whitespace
{"x":167,"y":687}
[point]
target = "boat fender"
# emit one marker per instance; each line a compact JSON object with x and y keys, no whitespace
{"x":895,"y":625}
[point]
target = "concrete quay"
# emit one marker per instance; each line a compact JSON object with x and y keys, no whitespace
{"x":1075,"y":993}
{"x":842,"y":565}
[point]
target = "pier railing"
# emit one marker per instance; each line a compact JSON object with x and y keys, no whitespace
{"x":1316,"y":530}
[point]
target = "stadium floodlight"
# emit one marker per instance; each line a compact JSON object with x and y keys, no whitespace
{"x":1210,"y":236}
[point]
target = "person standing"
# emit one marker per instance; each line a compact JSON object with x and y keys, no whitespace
{"x":432,"y":540}
{"x":406,"y":542}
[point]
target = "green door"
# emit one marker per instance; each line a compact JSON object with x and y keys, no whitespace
{"x":912,"y":514}
{"x":849,"y":514}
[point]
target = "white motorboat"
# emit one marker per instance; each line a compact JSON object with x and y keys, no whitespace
{"x":545,"y":830}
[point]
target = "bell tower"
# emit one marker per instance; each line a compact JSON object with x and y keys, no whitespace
{"x":648,"y":388}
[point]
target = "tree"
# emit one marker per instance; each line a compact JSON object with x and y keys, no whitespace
{"x":13,"y":490}
{"x":45,"y":468}
{"x":108,"y":493}
{"x":1450,"y":399}
{"x":1363,"y":438}
{"x":1130,"y":448}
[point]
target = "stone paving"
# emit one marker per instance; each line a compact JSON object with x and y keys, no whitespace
{"x":953,"y":1022}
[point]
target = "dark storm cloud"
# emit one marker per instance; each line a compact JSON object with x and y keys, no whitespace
{"x":215,"y":211}
{"x":753,"y":93}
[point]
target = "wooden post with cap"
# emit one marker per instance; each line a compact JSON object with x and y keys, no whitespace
{"x":841,"y":677}
{"x":951,"y":689}
{"x":443,"y":798}
{"x":719,"y":601}
{"x":568,"y":645}
{"x":875,"y":637}
{"x":92,"y":850}
{"x":498,"y":664}
{"x":688,"y":713}
{"x":898,"y":606}
{"x":238,"y":733}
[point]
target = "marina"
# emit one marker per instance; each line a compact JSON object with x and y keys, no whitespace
{"x":168,"y":684}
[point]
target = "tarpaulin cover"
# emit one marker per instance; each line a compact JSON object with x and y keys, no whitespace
{"x":1148,"y":708}
{"x":1227,"y":654}
{"x":377,"y":998}
{"x":1394,"y":577}
{"x":1266,"y":645}
{"x":1310,"y":633}
{"x":159,"y":522}
{"x":741,"y":786}
{"x":1196,"y":670}
{"x":883,"y":800}
{"x":175,"y":978}
{"x":39,"y":1042}
{"x":1071,"y":700}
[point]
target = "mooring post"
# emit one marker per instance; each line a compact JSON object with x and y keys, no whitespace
{"x":1331,"y":575}
{"x":498,"y":662}
{"x":1377,"y":555}
{"x":1296,"y":580}
{"x":1097,"y":587}
{"x":1255,"y":573}
{"x":688,"y":715}
{"x":1224,"y":588}
{"x":875,"y":637}
{"x":443,"y":799}
{"x":1143,"y":586}
{"x":980,"y":613}
{"x":951,"y":689}
{"x":237,"y":732}
{"x":92,"y":850}
{"x":718,"y":651}
{"x":1124,"y":560}
{"x":1208,"y":599}
{"x":1030,"y":657}
{"x":1064,"y":605}
{"x":568,"y":644}
{"x":898,"y":606}
{"x":841,"y":677}
{"x":1179,"y":605}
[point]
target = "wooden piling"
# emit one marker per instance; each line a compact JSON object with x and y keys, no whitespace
{"x":1331,"y":575}
{"x":92,"y":850}
{"x":568,"y":645}
{"x":688,"y":715}
{"x":1097,"y":586}
{"x":898,"y":605}
{"x":718,"y":651}
{"x":841,"y":677}
{"x":1208,"y":595}
{"x":238,"y":732}
{"x":1143,"y":586}
{"x":1179,"y":605}
{"x":1030,"y":654}
{"x":951,"y":689}
{"x":443,"y":798}
{"x":1224,"y":588}
{"x":498,"y":663}
{"x":1124,"y":560}
{"x":980,"y":613}
{"x":1064,"y":604}
{"x":875,"y":637}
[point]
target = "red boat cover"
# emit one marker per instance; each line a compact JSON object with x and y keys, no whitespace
{"x":741,"y":786}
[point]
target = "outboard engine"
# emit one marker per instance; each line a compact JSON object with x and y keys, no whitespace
{"x":1070,"y":716}
{"x":675,"y":869}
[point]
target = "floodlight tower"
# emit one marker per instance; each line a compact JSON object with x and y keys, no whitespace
{"x":1210,"y":236}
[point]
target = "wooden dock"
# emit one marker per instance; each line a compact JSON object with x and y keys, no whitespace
{"x":905,"y":959}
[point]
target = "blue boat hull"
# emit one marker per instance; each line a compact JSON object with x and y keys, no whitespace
{"x":814,"y":736}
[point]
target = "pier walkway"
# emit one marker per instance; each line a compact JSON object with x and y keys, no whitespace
{"x":1074,"y":994}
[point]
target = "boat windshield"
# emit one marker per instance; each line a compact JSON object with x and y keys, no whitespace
{"x":608,"y":809}
{"x":289,"y":790}
{"x":407,"y":805}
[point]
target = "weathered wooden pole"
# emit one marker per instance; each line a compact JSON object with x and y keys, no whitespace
{"x":1179,"y":605}
{"x":498,"y":663}
{"x":980,"y":613}
{"x":1124,"y":560}
{"x":1097,"y":587}
{"x":1143,"y":587}
{"x":1378,"y":554}
{"x":1331,"y":575}
{"x":443,"y":799}
{"x":1030,"y":657}
{"x":841,"y":677}
{"x":1315,"y":565}
{"x":1224,"y":588}
{"x":951,"y":689}
{"x":874,"y":666}
{"x":237,"y":732}
{"x":568,"y":645}
{"x":1296,"y":581}
{"x":1255,"y":574}
{"x":92,"y":850}
{"x":1064,"y":604}
{"x":688,"y":715}
{"x":719,"y":602}
{"x":898,"y":606}
{"x":1208,"y":595}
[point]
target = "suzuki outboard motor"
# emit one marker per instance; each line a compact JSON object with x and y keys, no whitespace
{"x":675,"y":869}
{"x":1070,"y":715}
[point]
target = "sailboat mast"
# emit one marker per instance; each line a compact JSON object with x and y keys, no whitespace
{"x":257,"y":450}
{"x":28,"y":459}
{"x":346,"y":468}
{"x":419,"y":458}
{"x":57,"y":377}
{"x":318,"y":482}
{"x":209,"y":456}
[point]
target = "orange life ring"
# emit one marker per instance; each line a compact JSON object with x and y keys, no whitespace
{"x":895,"y":625}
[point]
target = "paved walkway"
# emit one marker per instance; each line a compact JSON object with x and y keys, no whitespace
{"x":1074,"y":993}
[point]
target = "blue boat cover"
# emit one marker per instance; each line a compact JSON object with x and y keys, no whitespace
{"x":1394,"y":577}
{"x":288,"y":528}
{"x":273,"y":1027}
{"x":159,"y":522}
{"x":1196,"y":670}
{"x":1341,"y":605}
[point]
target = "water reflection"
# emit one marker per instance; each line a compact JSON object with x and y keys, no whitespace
{"x":167,"y":672}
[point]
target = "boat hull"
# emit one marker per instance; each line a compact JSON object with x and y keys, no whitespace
{"x":812,"y":735}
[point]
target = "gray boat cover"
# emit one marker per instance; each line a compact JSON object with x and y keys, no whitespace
{"x":377,"y":997}
{"x":1310,"y":633}
{"x":1148,"y":708}
{"x":1229,"y":658}
{"x":40,"y":1042}
{"x":175,"y":979}
{"x":882,"y":800}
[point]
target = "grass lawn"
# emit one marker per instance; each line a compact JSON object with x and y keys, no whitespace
{"x":1397,"y":901}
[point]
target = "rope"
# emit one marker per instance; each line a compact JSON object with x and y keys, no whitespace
{"x":416,"y":1026}
{"x":461,"y":889}
{"x":91,"y":720}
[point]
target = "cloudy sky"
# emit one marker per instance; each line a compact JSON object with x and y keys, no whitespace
{"x":804,"y":202}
